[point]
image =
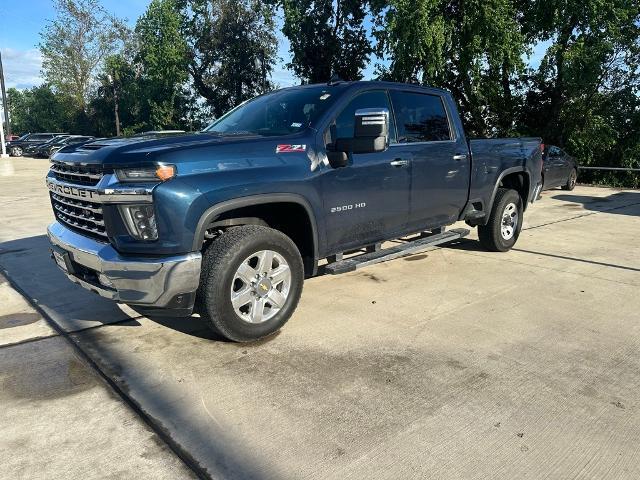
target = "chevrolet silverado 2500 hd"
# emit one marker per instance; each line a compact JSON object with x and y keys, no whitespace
{"x":230,"y":220}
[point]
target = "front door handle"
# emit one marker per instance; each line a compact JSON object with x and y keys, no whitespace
{"x":461,"y":156}
{"x":399,"y":163}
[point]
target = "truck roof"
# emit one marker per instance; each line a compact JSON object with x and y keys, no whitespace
{"x":367,"y":83}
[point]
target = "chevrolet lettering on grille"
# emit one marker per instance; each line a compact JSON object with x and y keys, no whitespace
{"x":68,"y":190}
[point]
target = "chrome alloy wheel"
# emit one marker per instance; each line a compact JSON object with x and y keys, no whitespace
{"x":509,"y":221}
{"x":573,"y":178}
{"x":260,"y":286}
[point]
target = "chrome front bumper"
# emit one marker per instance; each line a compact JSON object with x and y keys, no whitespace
{"x":152,"y":282}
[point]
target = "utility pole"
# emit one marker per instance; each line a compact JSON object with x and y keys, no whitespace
{"x":3,"y":148}
{"x":5,"y":102}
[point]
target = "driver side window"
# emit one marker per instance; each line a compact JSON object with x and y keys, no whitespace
{"x":344,"y":124}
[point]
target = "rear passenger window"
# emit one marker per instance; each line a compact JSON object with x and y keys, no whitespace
{"x":420,"y":117}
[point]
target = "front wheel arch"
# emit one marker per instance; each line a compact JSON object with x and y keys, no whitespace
{"x":272,"y":210}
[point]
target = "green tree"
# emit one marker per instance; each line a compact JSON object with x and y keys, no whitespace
{"x":119,"y":90}
{"x":326,"y":38}
{"x":593,"y":52}
{"x":232,"y":49}
{"x":585,"y":95}
{"x":40,"y":109}
{"x":162,"y":58}
{"x":74,"y":44}
{"x":473,"y":48}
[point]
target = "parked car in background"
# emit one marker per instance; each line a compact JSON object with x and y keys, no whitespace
{"x":30,"y":150}
{"x":559,"y":169}
{"x":17,"y":147}
{"x":47,"y":149}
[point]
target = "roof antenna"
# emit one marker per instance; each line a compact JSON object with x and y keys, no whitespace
{"x":334,"y":80}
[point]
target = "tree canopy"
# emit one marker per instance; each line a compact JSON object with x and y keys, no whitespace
{"x":473,"y":48}
{"x":327,"y":38}
{"x":75,"y":43}
{"x":186,"y":61}
{"x":232,"y":49}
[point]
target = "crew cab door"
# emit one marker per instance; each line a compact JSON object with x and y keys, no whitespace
{"x":440,"y":158}
{"x":368,"y":200}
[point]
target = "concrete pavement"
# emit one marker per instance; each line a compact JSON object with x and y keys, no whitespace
{"x":453,"y":363}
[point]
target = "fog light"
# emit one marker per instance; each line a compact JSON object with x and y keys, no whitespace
{"x":140,"y":221}
{"x":104,"y":280}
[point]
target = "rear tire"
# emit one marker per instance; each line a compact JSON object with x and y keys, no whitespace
{"x":505,"y":222}
{"x":571,"y":181}
{"x":235,"y":297}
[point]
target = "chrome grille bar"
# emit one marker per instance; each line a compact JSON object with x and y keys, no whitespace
{"x":81,"y":225}
{"x":70,"y":213}
{"x":79,"y":174}
{"x":92,"y":207}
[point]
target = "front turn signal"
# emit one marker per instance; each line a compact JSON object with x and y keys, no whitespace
{"x":146,"y":174}
{"x":165,"y":172}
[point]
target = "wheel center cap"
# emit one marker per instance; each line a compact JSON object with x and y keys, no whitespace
{"x":263,"y":287}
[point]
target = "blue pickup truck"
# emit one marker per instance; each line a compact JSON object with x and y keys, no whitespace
{"x":229,"y":221}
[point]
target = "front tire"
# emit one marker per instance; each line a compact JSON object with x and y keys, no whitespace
{"x":16,"y":151}
{"x":571,"y":181}
{"x":505,"y":222}
{"x":250,"y":283}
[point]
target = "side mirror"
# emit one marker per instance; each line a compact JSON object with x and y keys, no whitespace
{"x":371,"y":132}
{"x":337,"y":159}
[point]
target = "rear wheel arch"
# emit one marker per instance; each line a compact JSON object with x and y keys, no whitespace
{"x":291,"y":214}
{"x":516,"y":178}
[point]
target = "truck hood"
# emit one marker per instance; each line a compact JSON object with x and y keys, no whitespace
{"x":190,"y":150}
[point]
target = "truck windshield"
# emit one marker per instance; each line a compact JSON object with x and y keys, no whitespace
{"x":278,"y":113}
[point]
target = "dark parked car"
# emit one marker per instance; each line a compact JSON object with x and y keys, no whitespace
{"x":559,"y":170}
{"x":47,"y":149}
{"x":18,"y":147}
{"x":31,"y":150}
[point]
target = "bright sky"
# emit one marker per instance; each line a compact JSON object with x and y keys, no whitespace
{"x":22,"y":22}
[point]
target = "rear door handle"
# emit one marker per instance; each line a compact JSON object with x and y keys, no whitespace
{"x":399,"y":163}
{"x":460,"y":157}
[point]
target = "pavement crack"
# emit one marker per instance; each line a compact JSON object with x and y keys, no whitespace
{"x":28,"y":340}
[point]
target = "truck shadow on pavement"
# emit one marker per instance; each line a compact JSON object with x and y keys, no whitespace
{"x":474,"y":246}
{"x":618,"y":203}
{"x":207,"y":447}
{"x":28,"y":265}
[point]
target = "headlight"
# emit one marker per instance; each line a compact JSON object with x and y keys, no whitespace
{"x":146,"y":174}
{"x":141,"y":221}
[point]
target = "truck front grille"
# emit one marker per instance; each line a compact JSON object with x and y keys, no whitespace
{"x":78,"y":174}
{"x":79,"y":215}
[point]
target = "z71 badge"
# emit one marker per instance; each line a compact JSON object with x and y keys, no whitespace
{"x":291,"y":148}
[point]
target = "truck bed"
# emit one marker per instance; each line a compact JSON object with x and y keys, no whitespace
{"x":493,"y":158}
